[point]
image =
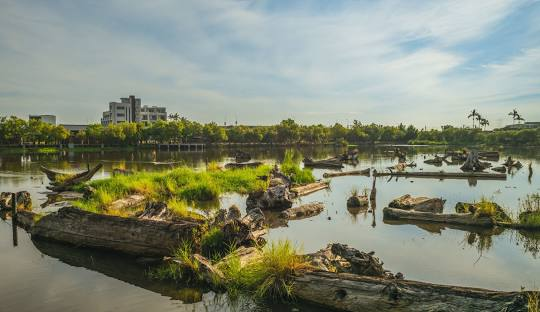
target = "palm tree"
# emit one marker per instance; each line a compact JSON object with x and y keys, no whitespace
{"x":473,"y":114}
{"x":514,"y":115}
{"x":479,"y":118}
{"x":519,"y":118}
{"x":174,"y":116}
{"x":484,"y":123}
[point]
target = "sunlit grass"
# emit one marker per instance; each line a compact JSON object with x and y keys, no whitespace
{"x":529,"y":213}
{"x":185,"y":269}
{"x":533,"y":301}
{"x":489,"y":209}
{"x":181,"y":184}
{"x":271,"y":276}
{"x":291,"y":167}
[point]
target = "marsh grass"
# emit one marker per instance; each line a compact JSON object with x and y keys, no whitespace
{"x":487,"y":208}
{"x":270,"y":277}
{"x":214,"y":244}
{"x":291,"y":167}
{"x":182,"y":184}
{"x":184,"y":270}
{"x":533,"y":301}
{"x":529,"y":212}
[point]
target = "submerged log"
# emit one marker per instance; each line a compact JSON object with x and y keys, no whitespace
{"x":418,"y":203}
{"x":356,"y":293}
{"x":128,"y":235}
{"x":437,"y":161}
{"x":302,"y":211}
{"x":446,"y":175}
{"x":325,"y":163}
{"x":364,"y":172}
{"x":239,"y":165}
{"x":309,"y":188}
{"x":449,"y":218}
{"x":501,"y":169}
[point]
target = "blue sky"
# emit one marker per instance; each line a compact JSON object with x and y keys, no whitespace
{"x":422,"y":62}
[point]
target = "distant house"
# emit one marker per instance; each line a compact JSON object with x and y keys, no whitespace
{"x":50,"y":119}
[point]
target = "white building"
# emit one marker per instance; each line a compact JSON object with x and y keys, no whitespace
{"x":50,"y":119}
{"x":129,"y":110}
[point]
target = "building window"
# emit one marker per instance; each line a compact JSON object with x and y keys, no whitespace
{"x":120,"y":115}
{"x":144,"y":117}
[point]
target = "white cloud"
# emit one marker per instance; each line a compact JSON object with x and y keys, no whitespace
{"x":211,"y":60}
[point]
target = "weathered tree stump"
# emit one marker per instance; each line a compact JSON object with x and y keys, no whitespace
{"x":418,"y":203}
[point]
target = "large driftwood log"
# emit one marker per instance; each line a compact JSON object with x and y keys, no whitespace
{"x":346,"y":173}
{"x":426,"y":204}
{"x":128,"y":235}
{"x":130,"y":201}
{"x":302,"y":211}
{"x":450,"y":218}
{"x":309,"y":188}
{"x":349,"y":292}
{"x":446,"y":175}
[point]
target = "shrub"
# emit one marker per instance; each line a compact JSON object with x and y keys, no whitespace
{"x":213,"y":244}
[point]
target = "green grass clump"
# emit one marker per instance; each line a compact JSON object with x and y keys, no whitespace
{"x":271,"y":276}
{"x":47,"y":150}
{"x":486,"y":208}
{"x":181,"y":209}
{"x":182,"y":184}
{"x":214,"y":244}
{"x":529,"y":213}
{"x":185,"y":269}
{"x":291,"y":167}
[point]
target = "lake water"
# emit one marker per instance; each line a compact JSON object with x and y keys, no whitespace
{"x":54,"y":277}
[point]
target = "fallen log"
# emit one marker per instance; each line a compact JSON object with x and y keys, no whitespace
{"x":128,"y":235}
{"x":364,"y":172}
{"x":302,"y":211}
{"x":235,"y":165}
{"x":309,"y":188}
{"x":325,"y":163}
{"x":131,"y":201}
{"x":425,"y":204}
{"x":445,"y":175}
{"x":449,"y":218}
{"x":350,"y":292}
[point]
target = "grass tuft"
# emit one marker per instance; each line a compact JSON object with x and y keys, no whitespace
{"x":529,"y":212}
{"x":291,"y":167}
{"x":269,"y":277}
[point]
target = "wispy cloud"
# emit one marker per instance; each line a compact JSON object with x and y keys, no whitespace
{"x":261,"y":61}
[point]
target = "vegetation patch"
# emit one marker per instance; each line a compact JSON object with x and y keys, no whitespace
{"x":180,"y":184}
{"x":183,"y":268}
{"x":214,"y":244}
{"x":486,"y":208}
{"x":271,"y":276}
{"x":529,"y":214}
{"x":291,"y":167}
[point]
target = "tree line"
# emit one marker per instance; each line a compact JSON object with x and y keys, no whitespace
{"x":14,"y":130}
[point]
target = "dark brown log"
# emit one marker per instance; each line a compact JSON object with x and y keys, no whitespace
{"x":346,"y":173}
{"x":349,"y":292}
{"x":449,"y":218}
{"x":309,"y":188}
{"x":446,"y":175}
{"x":302,"y":211}
{"x":127,"y":235}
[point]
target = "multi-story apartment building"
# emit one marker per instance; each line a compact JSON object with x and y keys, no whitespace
{"x":129,"y":110}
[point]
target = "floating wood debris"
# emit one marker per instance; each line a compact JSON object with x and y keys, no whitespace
{"x":309,"y":188}
{"x":65,"y":181}
{"x":346,"y":173}
{"x":325,"y":163}
{"x":449,"y":218}
{"x":445,"y":175}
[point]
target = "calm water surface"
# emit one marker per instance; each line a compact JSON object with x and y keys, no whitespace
{"x":54,"y":277}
